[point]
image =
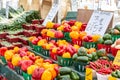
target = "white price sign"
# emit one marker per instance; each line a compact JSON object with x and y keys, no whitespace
{"x":99,"y":22}
{"x":52,"y":13}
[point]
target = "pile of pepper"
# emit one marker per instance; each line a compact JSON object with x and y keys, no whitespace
{"x":30,"y":63}
{"x":103,"y":67}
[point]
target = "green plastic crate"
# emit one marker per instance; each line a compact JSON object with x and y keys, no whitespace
{"x":18,"y":70}
{"x":30,"y":44}
{"x":26,"y":76}
{"x":45,"y":52}
{"x":115,"y":37}
{"x":37,"y":48}
{"x":80,"y":66}
{"x":9,"y":74}
{"x":64,"y":61}
{"x":3,"y":59}
{"x":90,"y":45}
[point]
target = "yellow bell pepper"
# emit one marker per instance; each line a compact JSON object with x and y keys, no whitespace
{"x":49,"y":24}
{"x":25,"y":58}
{"x":41,"y":42}
{"x":31,"y":68}
{"x":76,"y":47}
{"x":15,"y":59}
{"x":61,"y":28}
{"x":8,"y":54}
{"x":48,"y":46}
{"x":66,"y":55}
{"x":39,"y":62}
{"x":54,"y":50}
{"x":50,"y":33}
{"x":47,"y":75}
{"x":78,"y":24}
{"x":48,"y":65}
{"x":54,"y":74}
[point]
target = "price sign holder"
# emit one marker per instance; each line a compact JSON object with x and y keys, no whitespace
{"x":88,"y":74}
{"x":75,"y":4}
{"x":52,"y":13}
{"x":0,"y":4}
{"x":7,"y":9}
{"x":117,"y":59}
{"x":99,"y":22}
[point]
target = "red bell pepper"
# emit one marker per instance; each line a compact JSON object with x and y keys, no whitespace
{"x":24,"y":49}
{"x":32,"y":57}
{"x":25,"y":64}
{"x":10,"y":65}
{"x":56,"y":25}
{"x":48,"y":60}
{"x":53,"y":56}
{"x":3,"y":50}
{"x":37,"y":73}
{"x":22,"y":53}
{"x":71,"y":22}
{"x":67,"y":28}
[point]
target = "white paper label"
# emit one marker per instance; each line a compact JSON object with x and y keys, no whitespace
{"x":99,"y":22}
{"x":52,"y":13}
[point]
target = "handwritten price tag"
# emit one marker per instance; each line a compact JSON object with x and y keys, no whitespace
{"x":99,"y":22}
{"x":117,"y":59}
{"x":88,"y":75}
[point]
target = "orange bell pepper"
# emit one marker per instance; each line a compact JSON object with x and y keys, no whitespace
{"x":91,"y":50}
{"x":16,"y":49}
{"x":96,"y":37}
{"x":44,"y":31}
{"x":75,"y":28}
{"x":31,"y":38}
{"x":74,"y":35}
{"x":82,"y":34}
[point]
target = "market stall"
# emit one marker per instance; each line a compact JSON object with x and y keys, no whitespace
{"x":53,"y":40}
